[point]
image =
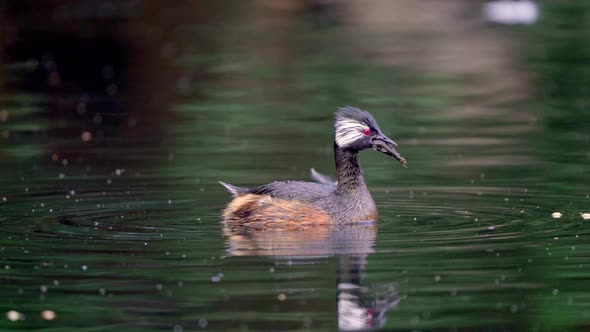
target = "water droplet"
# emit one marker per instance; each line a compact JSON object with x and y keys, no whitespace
{"x":282,"y":297}
{"x":556,"y":215}
{"x":555,"y":291}
{"x":84,"y":267}
{"x":202,"y":323}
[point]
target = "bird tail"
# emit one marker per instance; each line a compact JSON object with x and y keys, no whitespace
{"x":234,"y":190}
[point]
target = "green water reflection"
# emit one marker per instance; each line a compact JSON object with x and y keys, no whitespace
{"x":120,"y":230}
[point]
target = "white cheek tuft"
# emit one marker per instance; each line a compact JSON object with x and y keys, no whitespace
{"x":348,"y":131}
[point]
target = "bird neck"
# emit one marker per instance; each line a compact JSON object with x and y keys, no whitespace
{"x":348,"y":169}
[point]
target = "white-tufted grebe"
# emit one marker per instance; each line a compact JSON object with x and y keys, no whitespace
{"x":300,"y":203}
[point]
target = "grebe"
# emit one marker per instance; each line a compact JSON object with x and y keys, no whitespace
{"x":325,"y":201}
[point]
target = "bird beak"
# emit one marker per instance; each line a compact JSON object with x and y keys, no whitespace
{"x":386,"y":145}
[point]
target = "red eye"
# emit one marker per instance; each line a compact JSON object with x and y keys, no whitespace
{"x":367,"y":132}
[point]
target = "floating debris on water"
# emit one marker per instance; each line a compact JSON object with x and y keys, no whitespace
{"x":4,"y":116}
{"x":556,"y":215}
{"x":13,"y":316}
{"x":217,"y":278}
{"x":48,"y":314}
{"x":86,"y":136}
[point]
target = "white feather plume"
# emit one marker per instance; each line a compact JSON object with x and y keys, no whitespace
{"x":348,"y":131}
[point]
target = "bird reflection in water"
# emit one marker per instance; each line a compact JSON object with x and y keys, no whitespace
{"x":360,"y":306}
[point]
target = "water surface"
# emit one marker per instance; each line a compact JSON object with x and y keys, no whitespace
{"x":112,"y":144}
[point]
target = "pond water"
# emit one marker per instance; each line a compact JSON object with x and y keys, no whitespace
{"x":113,"y":140}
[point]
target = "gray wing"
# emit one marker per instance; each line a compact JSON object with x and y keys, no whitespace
{"x":309,"y":191}
{"x":321,"y":178}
